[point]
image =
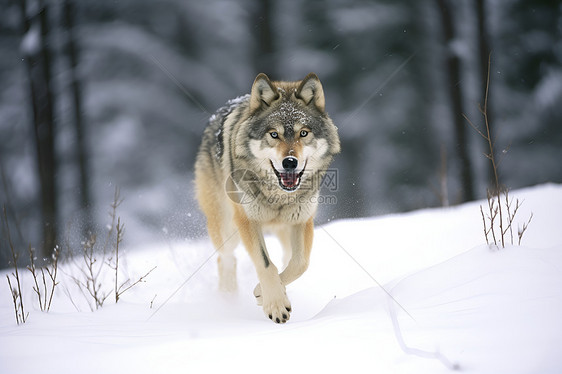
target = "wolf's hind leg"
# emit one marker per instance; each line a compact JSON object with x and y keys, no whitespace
{"x":227,"y":261}
{"x":225,"y":238}
{"x":220,"y":227}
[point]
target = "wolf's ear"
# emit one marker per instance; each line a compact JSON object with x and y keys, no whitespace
{"x":310,"y":91}
{"x":263,"y":92}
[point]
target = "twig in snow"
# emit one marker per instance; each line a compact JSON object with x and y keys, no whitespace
{"x":521,"y":230}
{"x":17,"y":298}
{"x":494,"y":195}
{"x":141,"y":279}
{"x":46,"y":292}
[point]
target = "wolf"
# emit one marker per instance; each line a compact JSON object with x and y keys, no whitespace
{"x":258,"y":170}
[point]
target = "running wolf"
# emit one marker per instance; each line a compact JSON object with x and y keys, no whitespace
{"x":259,"y":169}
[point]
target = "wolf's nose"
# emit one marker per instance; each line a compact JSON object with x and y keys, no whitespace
{"x":290,"y":163}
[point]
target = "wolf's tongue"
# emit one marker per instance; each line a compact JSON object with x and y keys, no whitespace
{"x":289,"y":179}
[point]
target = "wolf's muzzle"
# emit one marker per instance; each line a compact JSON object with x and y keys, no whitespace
{"x":289,"y":179}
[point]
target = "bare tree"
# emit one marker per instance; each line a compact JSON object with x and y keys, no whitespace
{"x":72,"y":54}
{"x":37,"y":55}
{"x":452,"y":63}
{"x":264,"y":43}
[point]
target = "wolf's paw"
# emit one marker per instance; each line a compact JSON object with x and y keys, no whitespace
{"x":257,"y":295}
{"x":279,"y":311}
{"x":276,"y":304}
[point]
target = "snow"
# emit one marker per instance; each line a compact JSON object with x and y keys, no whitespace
{"x":31,"y":41}
{"x":229,"y":107}
{"x":549,"y":90}
{"x":455,"y":302}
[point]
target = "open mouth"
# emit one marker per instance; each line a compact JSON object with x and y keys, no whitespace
{"x":288,"y":180}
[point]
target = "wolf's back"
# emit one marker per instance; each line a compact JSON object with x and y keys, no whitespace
{"x":212,"y":145}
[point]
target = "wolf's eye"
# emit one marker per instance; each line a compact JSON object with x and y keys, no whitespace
{"x":304,"y":133}
{"x":274,"y":134}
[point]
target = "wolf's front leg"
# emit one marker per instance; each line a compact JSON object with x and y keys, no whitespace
{"x":270,"y":291}
{"x":301,"y":245}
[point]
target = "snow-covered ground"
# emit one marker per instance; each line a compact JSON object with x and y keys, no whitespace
{"x":456,"y":303}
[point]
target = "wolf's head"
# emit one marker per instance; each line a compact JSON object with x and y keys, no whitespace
{"x":290,"y":134}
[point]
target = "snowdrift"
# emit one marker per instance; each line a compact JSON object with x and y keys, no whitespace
{"x":409,"y":293}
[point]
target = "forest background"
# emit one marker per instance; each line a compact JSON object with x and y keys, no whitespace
{"x":101,"y":94}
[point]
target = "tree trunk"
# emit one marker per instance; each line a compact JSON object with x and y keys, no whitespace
{"x":452,"y":62}
{"x":38,"y":64}
{"x":72,"y":54}
{"x":265,"y":45}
